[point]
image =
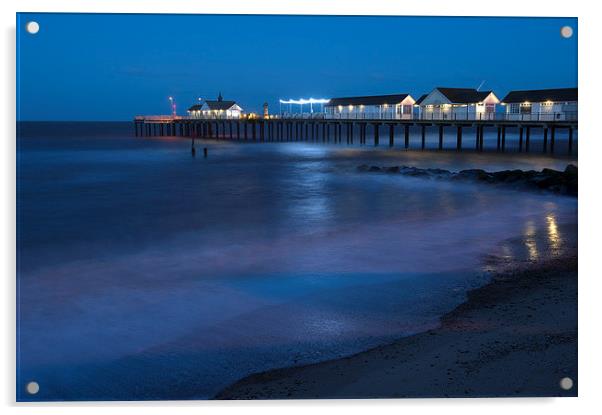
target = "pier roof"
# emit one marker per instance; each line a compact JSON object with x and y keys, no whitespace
{"x":542,"y":95}
{"x":220,"y":105}
{"x":368,"y":100}
{"x":419,"y":100}
{"x":463,"y":95}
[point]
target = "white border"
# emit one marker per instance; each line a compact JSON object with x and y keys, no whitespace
{"x":590,"y":148}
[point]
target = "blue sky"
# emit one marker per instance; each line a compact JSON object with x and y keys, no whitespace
{"x":112,"y":67}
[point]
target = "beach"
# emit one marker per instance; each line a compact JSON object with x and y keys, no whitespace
{"x":514,"y":337}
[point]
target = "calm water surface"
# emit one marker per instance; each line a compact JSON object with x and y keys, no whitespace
{"x":144,"y":273}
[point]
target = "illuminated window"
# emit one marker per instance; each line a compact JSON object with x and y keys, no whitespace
{"x":525,"y":108}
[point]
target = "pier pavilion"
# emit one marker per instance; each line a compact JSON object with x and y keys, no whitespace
{"x":542,"y":104}
{"x":458,"y":104}
{"x":384,"y":107}
{"x":216,"y":109}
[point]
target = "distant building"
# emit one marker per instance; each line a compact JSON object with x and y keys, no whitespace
{"x":399,"y":106}
{"x":542,"y":104}
{"x":216,"y":109}
{"x":458,"y":104}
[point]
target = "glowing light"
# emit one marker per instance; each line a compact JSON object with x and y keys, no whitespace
{"x":304,"y":101}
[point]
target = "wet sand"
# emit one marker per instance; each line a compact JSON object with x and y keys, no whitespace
{"x":516,"y":336}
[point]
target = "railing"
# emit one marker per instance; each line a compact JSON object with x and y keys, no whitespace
{"x":302,"y":116}
{"x":164,"y":118}
{"x":425,"y":116}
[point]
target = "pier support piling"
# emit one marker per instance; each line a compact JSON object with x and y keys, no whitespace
{"x":376,"y":127}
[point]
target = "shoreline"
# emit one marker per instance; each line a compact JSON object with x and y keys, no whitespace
{"x":516,"y":336}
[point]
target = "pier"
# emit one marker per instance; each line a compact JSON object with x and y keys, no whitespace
{"x":378,"y":132}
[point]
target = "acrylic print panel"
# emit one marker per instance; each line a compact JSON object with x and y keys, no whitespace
{"x":267,"y":207}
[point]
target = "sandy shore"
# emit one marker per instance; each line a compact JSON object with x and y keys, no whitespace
{"x":516,"y":336}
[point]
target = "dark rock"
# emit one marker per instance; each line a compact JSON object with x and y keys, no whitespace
{"x":508,"y":176}
{"x":563,"y":182}
{"x":570,"y":171}
{"x":571,"y":184}
{"x":414,"y":171}
{"x":439,"y":172}
{"x":548,"y":179}
{"x":474,"y":174}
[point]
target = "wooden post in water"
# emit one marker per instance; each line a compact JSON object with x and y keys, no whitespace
{"x":504,"y":138}
{"x":520,"y":139}
{"x":459,"y":138}
{"x":499,"y":138}
{"x":545,"y":139}
{"x":246,"y":131}
{"x":527,"y":139}
{"x":407,"y":136}
{"x":376,"y":127}
{"x":351,"y":132}
{"x":391,"y":135}
{"x":482,"y":137}
{"x":441,"y":137}
{"x":423,"y":136}
{"x":364,"y":132}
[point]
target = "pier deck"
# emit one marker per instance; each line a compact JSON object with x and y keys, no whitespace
{"x":348,"y":130}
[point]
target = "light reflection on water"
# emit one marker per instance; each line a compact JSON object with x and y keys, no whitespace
{"x":530,"y":241}
{"x":553,"y":233}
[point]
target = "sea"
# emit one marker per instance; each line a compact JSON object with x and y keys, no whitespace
{"x":147,"y":273}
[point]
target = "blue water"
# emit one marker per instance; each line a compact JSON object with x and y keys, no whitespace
{"x":145,"y":273}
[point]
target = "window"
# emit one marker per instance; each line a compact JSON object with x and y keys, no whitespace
{"x":514,"y":108}
{"x":489,"y":108}
{"x":525,"y":108}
